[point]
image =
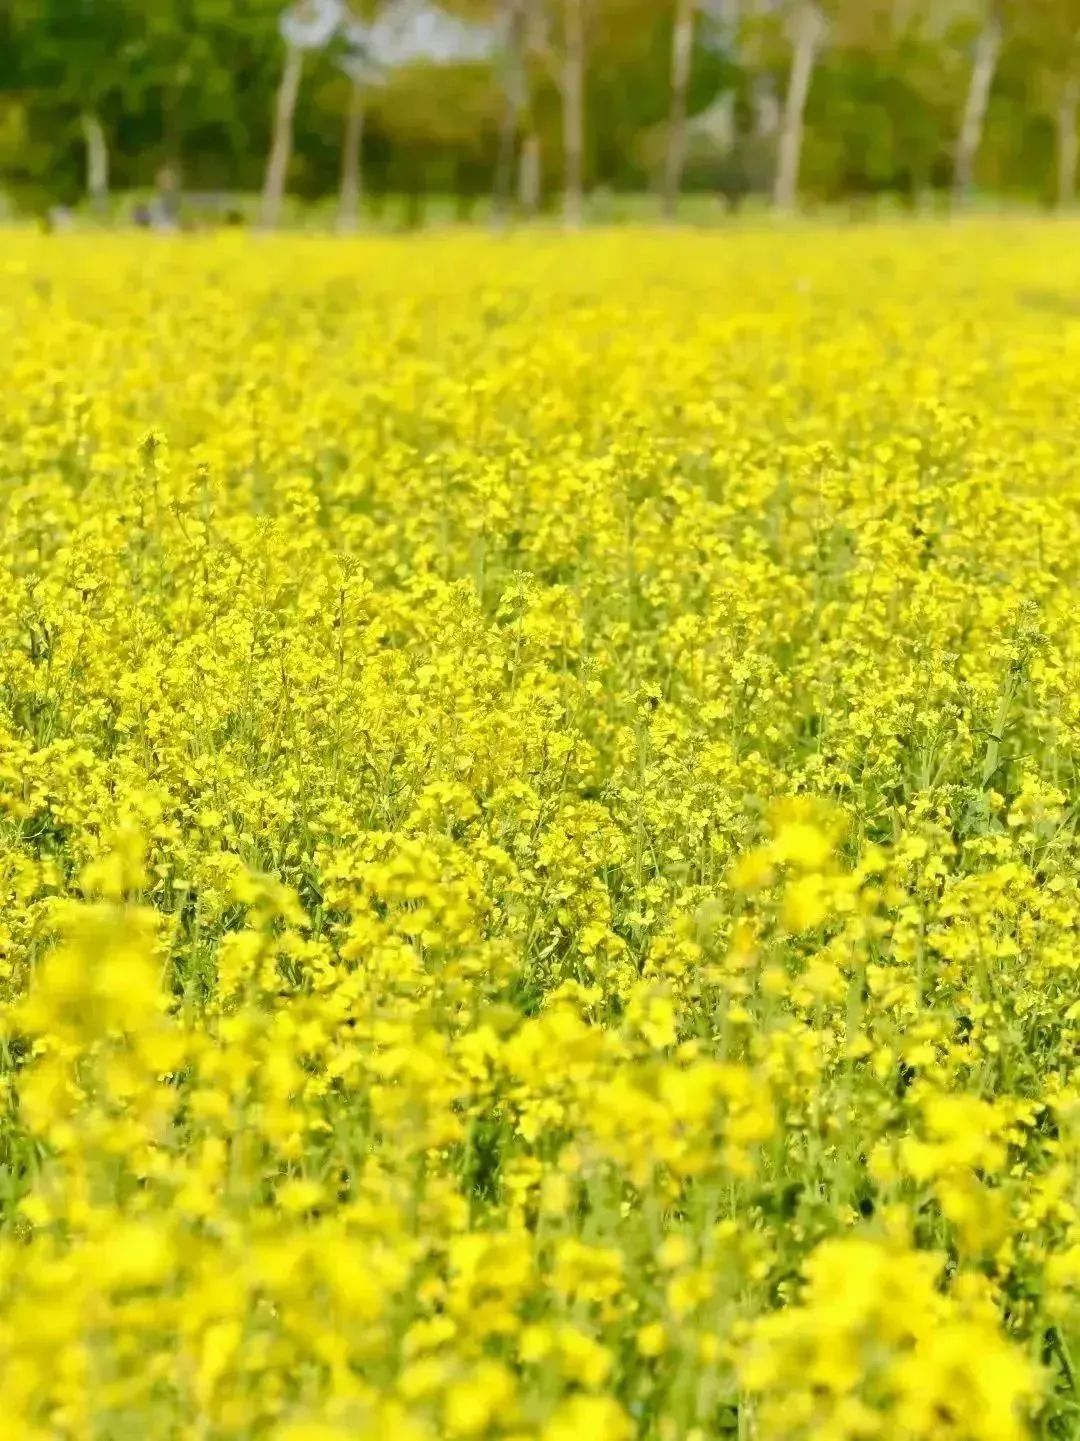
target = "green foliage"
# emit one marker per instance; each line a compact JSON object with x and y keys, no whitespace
{"x":192,"y":82}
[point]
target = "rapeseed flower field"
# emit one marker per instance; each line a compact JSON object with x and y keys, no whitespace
{"x":538,"y":860}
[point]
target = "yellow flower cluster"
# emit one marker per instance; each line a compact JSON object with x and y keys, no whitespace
{"x":538,"y":866}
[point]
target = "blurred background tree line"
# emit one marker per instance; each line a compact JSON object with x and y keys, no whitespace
{"x":531,"y":104}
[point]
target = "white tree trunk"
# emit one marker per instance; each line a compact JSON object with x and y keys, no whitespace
{"x":97,"y":160}
{"x":682,"y":46}
{"x":351,"y":161}
{"x":987,"y":51}
{"x":573,"y":98}
{"x":514,"y":94}
{"x":529,"y":174}
{"x":277,"y":165}
{"x":808,"y":31}
{"x":1067,"y":142}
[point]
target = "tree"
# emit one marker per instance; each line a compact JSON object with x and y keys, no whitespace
{"x":352,"y":146}
{"x":307,"y":25}
{"x":1050,"y":32}
{"x":360,"y":69}
{"x":573,"y":101}
{"x":985,"y":56}
{"x":430,"y":106}
{"x":514,"y":82}
{"x":201,"y":60}
{"x":530,"y":161}
{"x":882,"y":109}
{"x":866,"y":39}
{"x":808,"y":27}
{"x":743,"y":119}
{"x":436,"y":99}
{"x":682,"y":46}
{"x":77,"y":53}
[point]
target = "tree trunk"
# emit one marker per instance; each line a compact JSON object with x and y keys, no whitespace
{"x":351,"y":161}
{"x":529,"y":174}
{"x":987,"y":50}
{"x":277,"y":165}
{"x":1067,"y":143}
{"x":573,"y":98}
{"x":682,"y":46}
{"x":808,"y":27}
{"x":97,"y":160}
{"x":513,"y":104}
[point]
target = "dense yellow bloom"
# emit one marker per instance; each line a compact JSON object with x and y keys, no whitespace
{"x":538,"y":874}
{"x":875,"y":1348}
